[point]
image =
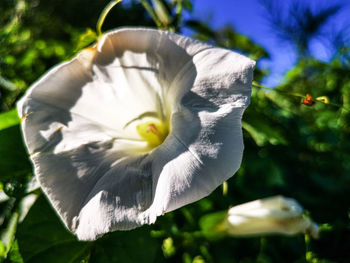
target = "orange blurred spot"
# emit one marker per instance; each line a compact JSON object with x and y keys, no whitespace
{"x":309,"y":101}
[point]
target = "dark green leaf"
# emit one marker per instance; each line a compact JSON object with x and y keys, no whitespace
{"x":43,"y":238}
{"x":262,"y":133}
{"x":126,"y":247}
{"x":14,"y":160}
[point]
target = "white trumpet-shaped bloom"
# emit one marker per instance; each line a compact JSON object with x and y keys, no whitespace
{"x":270,"y":215}
{"x":141,"y":124}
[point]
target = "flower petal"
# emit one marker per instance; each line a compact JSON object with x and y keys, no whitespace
{"x":205,"y":146}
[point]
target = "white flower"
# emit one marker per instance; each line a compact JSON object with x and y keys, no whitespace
{"x":145,"y":122}
{"x":267,"y":216}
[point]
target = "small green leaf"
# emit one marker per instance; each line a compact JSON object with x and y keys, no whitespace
{"x":168,"y":247}
{"x":14,"y":255}
{"x":9,"y":119}
{"x":2,"y":250}
{"x":212,"y":225}
{"x":326,"y":227}
{"x":262,"y":133}
{"x":86,"y":39}
{"x":7,"y":235}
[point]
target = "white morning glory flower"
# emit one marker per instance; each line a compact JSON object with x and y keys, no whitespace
{"x":268,"y":216}
{"x":141,"y":124}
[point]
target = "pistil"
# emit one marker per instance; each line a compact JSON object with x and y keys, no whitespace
{"x":153,"y":132}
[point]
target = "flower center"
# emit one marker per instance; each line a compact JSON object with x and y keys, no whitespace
{"x":153,"y":132}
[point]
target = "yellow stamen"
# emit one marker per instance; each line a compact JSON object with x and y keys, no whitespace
{"x":153,"y":132}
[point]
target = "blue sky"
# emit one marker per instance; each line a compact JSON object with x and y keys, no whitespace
{"x":249,"y":18}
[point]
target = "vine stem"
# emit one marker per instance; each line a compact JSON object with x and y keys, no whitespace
{"x":257,"y":85}
{"x":103,"y":15}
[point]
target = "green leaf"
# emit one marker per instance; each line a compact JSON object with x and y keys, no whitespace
{"x":14,"y":255}
{"x":126,"y":247}
{"x":263,"y":133}
{"x":9,"y":119}
{"x":2,"y":250}
{"x":7,"y":235}
{"x":14,"y":162}
{"x":86,"y":39}
{"x":168,"y":247}
{"x":43,"y":238}
{"x":213,"y":226}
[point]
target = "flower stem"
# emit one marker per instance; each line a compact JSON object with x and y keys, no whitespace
{"x":103,"y":15}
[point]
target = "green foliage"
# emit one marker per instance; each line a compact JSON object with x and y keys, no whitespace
{"x":41,"y":237}
{"x":212,"y":225}
{"x":14,"y":158}
{"x":86,"y":39}
{"x":290,"y":149}
{"x":167,"y":14}
{"x":47,"y":237}
{"x":132,"y":246}
{"x":9,"y":119}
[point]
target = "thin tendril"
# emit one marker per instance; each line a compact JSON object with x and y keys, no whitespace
{"x":103,"y":15}
{"x":257,"y":85}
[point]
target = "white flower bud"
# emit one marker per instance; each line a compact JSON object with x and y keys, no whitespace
{"x":269,"y":216}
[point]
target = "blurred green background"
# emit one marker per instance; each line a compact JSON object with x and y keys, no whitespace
{"x":291,"y":149}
